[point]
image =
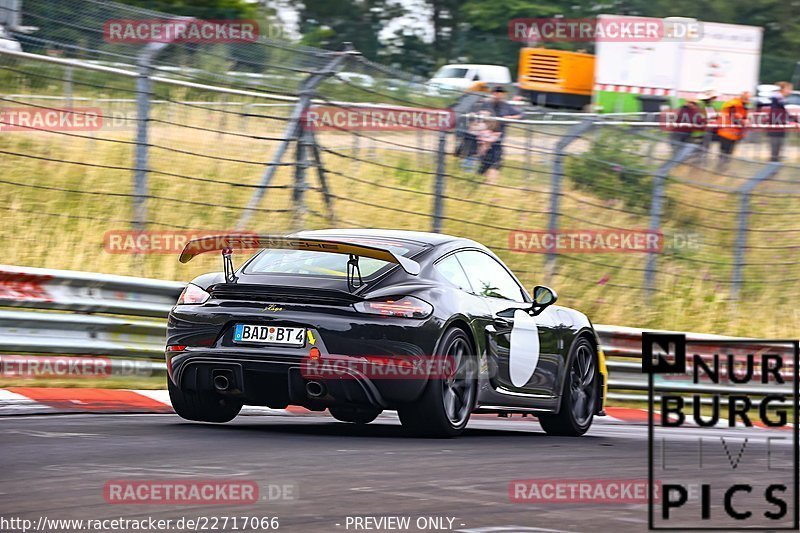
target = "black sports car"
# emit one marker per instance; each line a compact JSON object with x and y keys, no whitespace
{"x":359,"y":321}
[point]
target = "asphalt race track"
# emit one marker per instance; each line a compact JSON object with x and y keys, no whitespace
{"x":58,"y":465}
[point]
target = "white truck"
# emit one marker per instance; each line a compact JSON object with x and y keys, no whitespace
{"x":724,"y":58}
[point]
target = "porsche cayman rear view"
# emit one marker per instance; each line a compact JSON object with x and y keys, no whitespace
{"x":361,"y":321}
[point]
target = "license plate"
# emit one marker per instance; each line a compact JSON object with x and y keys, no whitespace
{"x":269,"y":334}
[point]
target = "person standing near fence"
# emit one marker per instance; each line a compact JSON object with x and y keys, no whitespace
{"x":493,"y":157}
{"x":690,"y":125}
{"x":732,"y":121}
{"x":779,"y":119}
{"x":706,"y":104}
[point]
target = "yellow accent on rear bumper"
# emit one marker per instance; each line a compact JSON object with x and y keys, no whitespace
{"x":601,"y":363}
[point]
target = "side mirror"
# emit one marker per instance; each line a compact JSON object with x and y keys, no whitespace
{"x":542,"y":298}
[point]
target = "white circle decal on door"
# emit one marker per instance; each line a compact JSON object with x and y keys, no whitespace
{"x":524,"y":351}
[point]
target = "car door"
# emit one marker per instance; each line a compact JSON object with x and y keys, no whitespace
{"x":522,"y":350}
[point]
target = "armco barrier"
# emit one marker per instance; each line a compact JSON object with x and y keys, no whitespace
{"x":86,"y":292}
{"x":127,"y":335}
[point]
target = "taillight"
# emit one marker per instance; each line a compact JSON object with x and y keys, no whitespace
{"x":405,"y":307}
{"x":193,"y":294}
{"x":176,"y":348}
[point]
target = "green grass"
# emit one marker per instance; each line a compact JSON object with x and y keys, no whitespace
{"x":59,"y":229}
{"x":47,"y":224}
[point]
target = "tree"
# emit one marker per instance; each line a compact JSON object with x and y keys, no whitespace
{"x":329,"y":23}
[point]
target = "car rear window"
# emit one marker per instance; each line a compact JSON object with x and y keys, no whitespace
{"x":307,"y":263}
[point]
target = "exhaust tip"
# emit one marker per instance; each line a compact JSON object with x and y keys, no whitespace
{"x":221,"y":382}
{"x":315,"y":389}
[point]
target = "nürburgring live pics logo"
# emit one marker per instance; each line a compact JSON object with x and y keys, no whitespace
{"x":715,"y":445}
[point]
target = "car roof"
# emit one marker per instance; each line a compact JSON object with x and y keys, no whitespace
{"x":473,"y":65}
{"x":422,"y":237}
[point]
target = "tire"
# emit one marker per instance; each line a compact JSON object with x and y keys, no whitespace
{"x":354,"y":415}
{"x":202,"y":406}
{"x":579,"y":395}
{"x":444,"y":407}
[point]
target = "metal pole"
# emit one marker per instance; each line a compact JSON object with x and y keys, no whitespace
{"x":420,"y":148}
{"x":438,"y":196}
{"x":555,"y":186}
{"x":244,"y":117}
{"x":323,"y":180}
{"x":744,"y":214}
{"x":528,"y":149}
{"x":298,"y":196}
{"x":140,"y":172}
{"x":657,"y":206}
{"x":293,"y":127}
{"x":68,"y":87}
{"x":143,"y":89}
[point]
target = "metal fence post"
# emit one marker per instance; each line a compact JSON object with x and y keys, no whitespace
{"x":657,"y":207}
{"x":438,"y":196}
{"x":555,"y":186}
{"x":293,"y":129}
{"x":743,"y":218}
{"x":298,"y":194}
{"x":420,"y":148}
{"x":68,"y":87}
{"x":143,"y":88}
{"x":528,"y":150}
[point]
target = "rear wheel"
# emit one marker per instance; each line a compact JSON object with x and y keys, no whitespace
{"x":202,"y":406}
{"x":445,"y":405}
{"x":355,"y":415}
{"x":579,"y":397}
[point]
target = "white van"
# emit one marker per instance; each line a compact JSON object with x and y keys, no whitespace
{"x":462,"y":76}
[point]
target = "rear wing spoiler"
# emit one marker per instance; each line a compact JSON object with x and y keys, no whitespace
{"x":226,"y":243}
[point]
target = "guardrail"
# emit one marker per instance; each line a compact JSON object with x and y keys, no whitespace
{"x":86,"y":292}
{"x":130,"y":336}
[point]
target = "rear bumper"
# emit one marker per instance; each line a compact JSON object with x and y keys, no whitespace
{"x":278,"y":381}
{"x":272,"y":375}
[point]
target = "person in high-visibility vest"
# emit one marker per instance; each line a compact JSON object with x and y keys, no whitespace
{"x":732,"y":122}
